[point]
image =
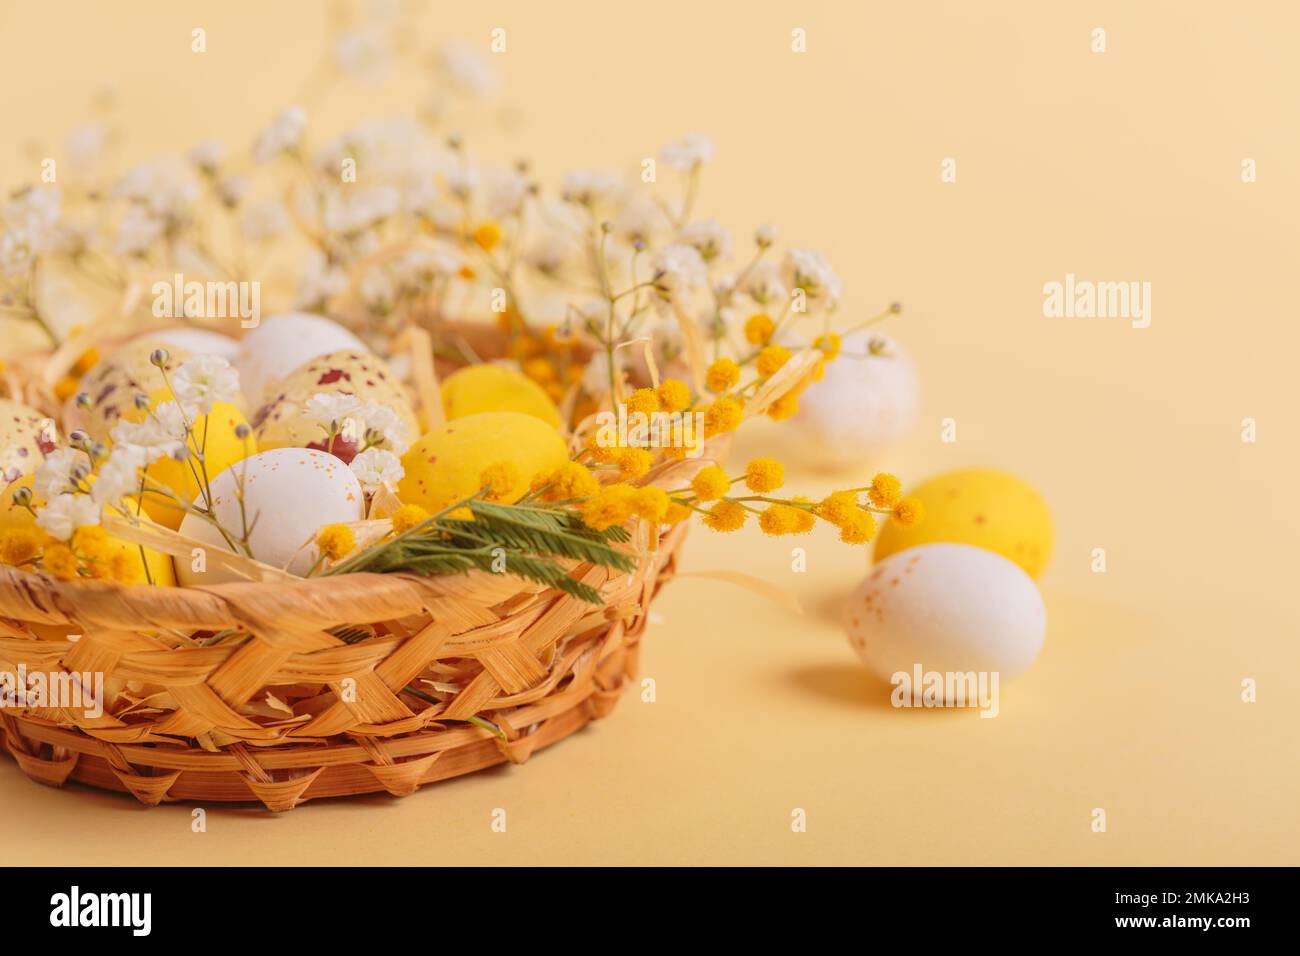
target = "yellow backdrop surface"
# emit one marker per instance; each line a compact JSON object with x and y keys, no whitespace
{"x":1122,"y":165}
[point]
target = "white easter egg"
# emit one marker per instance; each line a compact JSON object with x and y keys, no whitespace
{"x":199,"y":342}
{"x":951,"y":608}
{"x":291,"y":492}
{"x":862,"y":406}
{"x":281,"y":343}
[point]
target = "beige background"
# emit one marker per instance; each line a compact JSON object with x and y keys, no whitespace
{"x":1118,"y":166}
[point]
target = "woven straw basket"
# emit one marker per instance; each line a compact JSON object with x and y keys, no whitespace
{"x":536,"y":663}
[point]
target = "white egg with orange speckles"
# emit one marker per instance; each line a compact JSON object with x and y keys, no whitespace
{"x":291,"y":493}
{"x":951,"y":608}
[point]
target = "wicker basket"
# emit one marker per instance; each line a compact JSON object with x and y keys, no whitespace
{"x":538,"y":664}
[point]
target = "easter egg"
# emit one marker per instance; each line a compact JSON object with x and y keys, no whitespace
{"x":158,"y":565}
{"x":495,"y":388}
{"x":26,"y":437}
{"x":221,"y":447}
{"x":281,"y":343}
{"x":115,"y":381}
{"x":863,"y":405}
{"x":979,"y":506}
{"x":447,"y":464}
{"x":290,"y":493}
{"x":282,"y":421}
{"x":198,"y":342}
{"x":951,"y":608}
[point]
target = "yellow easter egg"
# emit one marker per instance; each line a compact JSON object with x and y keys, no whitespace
{"x":221,"y":449}
{"x":982,"y":507}
{"x":159,"y":565}
{"x":495,"y":388}
{"x":447,"y":464}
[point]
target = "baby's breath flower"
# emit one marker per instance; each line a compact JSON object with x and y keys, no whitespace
{"x":884,"y":490}
{"x":60,"y":471}
{"x":66,"y":513}
{"x":725,"y":515}
{"x":764,"y":474}
{"x":709,"y":238}
{"x":335,"y":540}
{"x":376,"y":468}
{"x":722,"y":375}
{"x":710,"y":482}
{"x":691,"y":151}
{"x":203,"y":381}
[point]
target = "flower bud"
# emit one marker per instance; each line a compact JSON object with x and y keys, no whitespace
{"x":159,"y":358}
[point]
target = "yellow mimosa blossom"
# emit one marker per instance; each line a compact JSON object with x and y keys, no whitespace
{"x":540,"y":370}
{"x":909,"y":510}
{"x":764,"y":474}
{"x":724,"y":415}
{"x":571,"y":480}
{"x":499,"y":479}
{"x":710,"y":482}
{"x":335,"y":540}
{"x":838,"y":507}
{"x":58,"y":560}
{"x":858,"y":528}
{"x":722,"y":375}
{"x":674,"y":395}
{"x":784,"y":407}
{"x":806,"y":519}
{"x":651,"y":503}
{"x":725,"y":515}
{"x":125,"y":567}
{"x":677,"y":513}
{"x":759,"y":328}
{"x":884,"y":490}
{"x":633,"y":462}
{"x":612,"y":505}
{"x":407,"y":517}
{"x":487,"y":234}
{"x":599,"y":452}
{"x":19,"y":545}
{"x":644,"y":400}
{"x":770,"y":360}
{"x":781,"y":519}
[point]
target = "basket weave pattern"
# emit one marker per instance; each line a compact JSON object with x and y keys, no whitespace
{"x":537,"y":663}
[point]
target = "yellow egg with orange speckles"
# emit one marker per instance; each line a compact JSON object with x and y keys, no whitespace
{"x":447,"y":464}
{"x":495,"y":388}
{"x":983,"y":507}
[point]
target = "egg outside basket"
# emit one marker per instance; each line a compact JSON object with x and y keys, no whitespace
{"x":538,"y":664}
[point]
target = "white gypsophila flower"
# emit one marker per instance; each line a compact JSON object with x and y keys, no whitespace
{"x":384,"y":423}
{"x":66,"y":513}
{"x":376,"y":468}
{"x":284,"y":133}
{"x":16,"y":252}
{"x":462,"y":181}
{"x":587,"y":186}
{"x":59,"y":472}
{"x":358,"y":208}
{"x":466,"y":69}
{"x":709,"y":238}
{"x":724,"y":284}
{"x":691,"y":151}
{"x":764,"y":285}
{"x":378,"y":288}
{"x":319,"y":281}
{"x":808,"y":269}
{"x":548,"y":253}
{"x":595,"y":377}
{"x":365,"y":54}
{"x":333,"y":409}
{"x":504,"y":193}
{"x":232,"y":189}
{"x":208,"y":154}
{"x":137,"y":231}
{"x":120,"y":475}
{"x":204,"y":380}
{"x":168,"y":189}
{"x":161,"y":433}
{"x":639,"y":219}
{"x":679,"y":269}
{"x":264,"y":220}
{"x":416,"y":268}
{"x":85,"y":146}
{"x":765,"y":234}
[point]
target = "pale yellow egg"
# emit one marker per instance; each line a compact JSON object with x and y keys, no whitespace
{"x":26,"y":436}
{"x":982,"y":507}
{"x":158,"y":565}
{"x":447,"y":464}
{"x":495,"y":388}
{"x":113,"y":384}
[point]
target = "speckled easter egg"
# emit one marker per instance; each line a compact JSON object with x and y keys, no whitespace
{"x":863,"y":405}
{"x":26,"y":437}
{"x":281,"y":343}
{"x":949,"y":608}
{"x":291,"y":493}
{"x":495,"y":388}
{"x":113,"y":384}
{"x":281,"y":422}
{"x":221,"y":449}
{"x":446,"y":464}
{"x":983,"y":507}
{"x":158,"y":565}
